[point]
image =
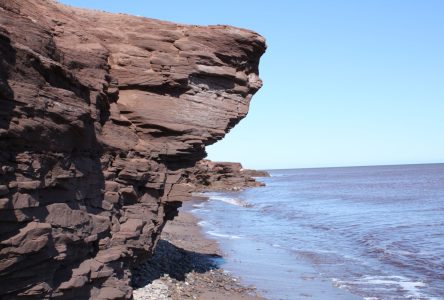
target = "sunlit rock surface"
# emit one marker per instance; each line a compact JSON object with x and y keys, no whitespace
{"x":100,"y":114}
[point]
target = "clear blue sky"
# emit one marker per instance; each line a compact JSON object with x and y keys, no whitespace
{"x":345,"y":82}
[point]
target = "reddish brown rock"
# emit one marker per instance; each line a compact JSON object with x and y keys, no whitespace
{"x":207,"y":176}
{"x":100,"y":115}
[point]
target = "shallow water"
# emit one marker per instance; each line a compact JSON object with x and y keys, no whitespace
{"x":336,"y":233}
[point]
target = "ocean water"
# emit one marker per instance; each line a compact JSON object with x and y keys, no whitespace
{"x":335,"y":233}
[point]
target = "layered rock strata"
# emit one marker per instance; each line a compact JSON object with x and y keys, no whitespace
{"x":100,"y":114}
{"x":208,"y":176}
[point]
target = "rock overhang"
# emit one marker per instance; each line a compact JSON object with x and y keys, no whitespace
{"x":102,"y":114}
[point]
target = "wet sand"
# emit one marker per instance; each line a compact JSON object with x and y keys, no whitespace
{"x":185,"y":266}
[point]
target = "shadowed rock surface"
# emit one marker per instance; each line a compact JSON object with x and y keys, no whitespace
{"x":208,"y":176}
{"x":100,"y":115}
{"x":187,"y":265}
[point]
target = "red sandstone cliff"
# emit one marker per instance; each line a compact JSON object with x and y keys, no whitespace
{"x":100,"y":113}
{"x":208,"y":175}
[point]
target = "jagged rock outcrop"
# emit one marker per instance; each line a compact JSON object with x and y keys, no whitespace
{"x":100,"y":114}
{"x":208,"y":176}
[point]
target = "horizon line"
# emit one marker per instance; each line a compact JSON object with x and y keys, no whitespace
{"x":355,"y":166}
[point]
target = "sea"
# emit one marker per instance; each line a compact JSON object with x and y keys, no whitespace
{"x":334,"y":233}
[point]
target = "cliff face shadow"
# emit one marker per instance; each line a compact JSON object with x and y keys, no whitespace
{"x":41,"y":263}
{"x":173,"y":261}
{"x":7,"y":59}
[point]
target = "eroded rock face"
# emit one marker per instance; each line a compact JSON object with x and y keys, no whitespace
{"x":100,"y":114}
{"x":210,"y":176}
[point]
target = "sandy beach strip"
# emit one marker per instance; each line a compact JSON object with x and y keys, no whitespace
{"x":185,"y":266}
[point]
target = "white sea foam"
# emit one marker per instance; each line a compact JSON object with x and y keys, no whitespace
{"x":222,"y":235}
{"x":199,"y":205}
{"x":202,"y":223}
{"x":199,"y":210}
{"x":232,"y":201}
{"x":339,"y":283}
{"x":411,"y":288}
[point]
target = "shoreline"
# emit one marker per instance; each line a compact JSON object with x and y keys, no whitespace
{"x":260,"y":264}
{"x":186,"y":265}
